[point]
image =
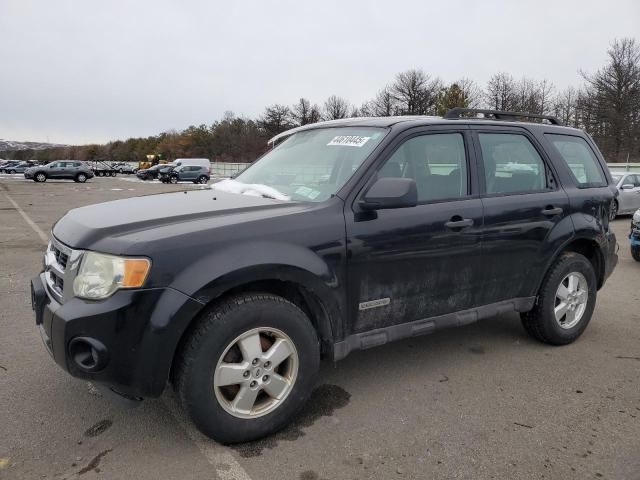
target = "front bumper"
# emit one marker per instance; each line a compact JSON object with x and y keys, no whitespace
{"x":634,"y":235}
{"x":125,"y":342}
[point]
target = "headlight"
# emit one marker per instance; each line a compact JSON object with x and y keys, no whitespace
{"x":101,"y":275}
{"x":636,"y":218}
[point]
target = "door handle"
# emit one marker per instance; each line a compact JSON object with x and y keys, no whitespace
{"x":550,"y":211}
{"x":458,"y":222}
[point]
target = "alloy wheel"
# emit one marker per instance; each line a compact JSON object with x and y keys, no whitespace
{"x":571,"y":300}
{"x":256,"y":372}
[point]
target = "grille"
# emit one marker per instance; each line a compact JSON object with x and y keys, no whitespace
{"x":61,"y":257}
{"x":57,"y":283}
{"x":58,"y":266}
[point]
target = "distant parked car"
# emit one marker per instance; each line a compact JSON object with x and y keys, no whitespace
{"x":20,"y":167}
{"x":6,"y":168}
{"x":186,"y":173}
{"x":628,"y":199}
{"x":123,"y":167}
{"x":67,"y":169}
{"x":153,"y":172}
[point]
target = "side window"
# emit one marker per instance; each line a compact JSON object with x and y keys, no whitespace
{"x":437,"y":162}
{"x":580,"y":159}
{"x":511,"y":164}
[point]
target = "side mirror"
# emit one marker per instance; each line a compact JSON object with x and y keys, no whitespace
{"x":391,"y":192}
{"x":628,"y":186}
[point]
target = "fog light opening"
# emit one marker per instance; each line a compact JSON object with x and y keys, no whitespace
{"x":89,"y":354}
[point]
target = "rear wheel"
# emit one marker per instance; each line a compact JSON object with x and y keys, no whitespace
{"x":81,"y":178}
{"x":40,"y":177}
{"x":113,"y":174}
{"x":247,"y":367}
{"x":565,"y":302}
{"x":635,"y":252}
{"x":202,"y":179}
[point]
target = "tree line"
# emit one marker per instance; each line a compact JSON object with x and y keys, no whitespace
{"x":606,"y":105}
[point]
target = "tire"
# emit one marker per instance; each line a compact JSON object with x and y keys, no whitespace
{"x":113,"y":174}
{"x":196,"y":369}
{"x":541,"y":322}
{"x":12,"y":172}
{"x":173,"y":180}
{"x":81,"y":178}
{"x":135,"y":170}
{"x":40,"y":177}
{"x":635,"y":252}
{"x":202,"y":179}
{"x":614,"y":210}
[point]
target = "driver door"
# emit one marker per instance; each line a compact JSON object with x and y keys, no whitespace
{"x":55,"y":170}
{"x":409,"y":264}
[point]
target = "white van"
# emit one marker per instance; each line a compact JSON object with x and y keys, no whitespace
{"x":200,"y":162}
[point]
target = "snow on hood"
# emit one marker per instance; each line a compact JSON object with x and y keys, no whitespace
{"x":255,"y":189}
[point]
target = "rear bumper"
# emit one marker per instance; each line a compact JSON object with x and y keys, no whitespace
{"x":125,"y":342}
{"x":611,"y":255}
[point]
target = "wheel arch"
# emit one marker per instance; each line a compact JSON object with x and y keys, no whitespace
{"x":300,"y":287}
{"x":586,"y":246}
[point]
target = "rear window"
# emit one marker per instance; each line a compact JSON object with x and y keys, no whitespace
{"x":580,"y":159}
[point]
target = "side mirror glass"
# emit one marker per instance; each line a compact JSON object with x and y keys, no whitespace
{"x":391,"y":192}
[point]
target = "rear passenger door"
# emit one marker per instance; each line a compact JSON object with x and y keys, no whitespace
{"x":525,"y":210}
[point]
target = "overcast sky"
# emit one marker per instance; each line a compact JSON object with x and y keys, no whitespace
{"x":91,"y":71}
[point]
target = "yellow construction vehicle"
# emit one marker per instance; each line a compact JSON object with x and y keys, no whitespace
{"x":152,"y":159}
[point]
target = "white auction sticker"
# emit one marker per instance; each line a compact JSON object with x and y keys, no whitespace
{"x":349,"y":140}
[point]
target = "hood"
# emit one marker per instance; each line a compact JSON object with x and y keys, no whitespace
{"x":84,"y":227}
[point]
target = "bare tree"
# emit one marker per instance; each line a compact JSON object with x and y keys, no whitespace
{"x":383,"y":105}
{"x":614,"y":91}
{"x":335,"y":108}
{"x":304,"y":113}
{"x":415,"y":92}
{"x":565,"y":105}
{"x":501,"y":92}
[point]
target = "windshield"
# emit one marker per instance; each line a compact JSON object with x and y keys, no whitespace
{"x":312,"y":165}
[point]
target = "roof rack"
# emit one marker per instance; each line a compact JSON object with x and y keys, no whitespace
{"x":455,"y":113}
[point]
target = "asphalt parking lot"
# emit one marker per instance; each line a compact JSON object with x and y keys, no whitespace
{"x":483,"y":401}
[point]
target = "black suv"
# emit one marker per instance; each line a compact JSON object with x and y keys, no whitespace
{"x":347,"y":235}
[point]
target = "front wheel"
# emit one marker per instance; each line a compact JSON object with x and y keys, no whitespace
{"x":81,"y":178}
{"x":173,"y":180}
{"x":40,"y":177}
{"x":614,"y":210}
{"x":565,"y":301}
{"x":635,"y":252}
{"x":248,"y":367}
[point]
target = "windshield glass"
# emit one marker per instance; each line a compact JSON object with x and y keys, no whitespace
{"x":310,"y":165}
